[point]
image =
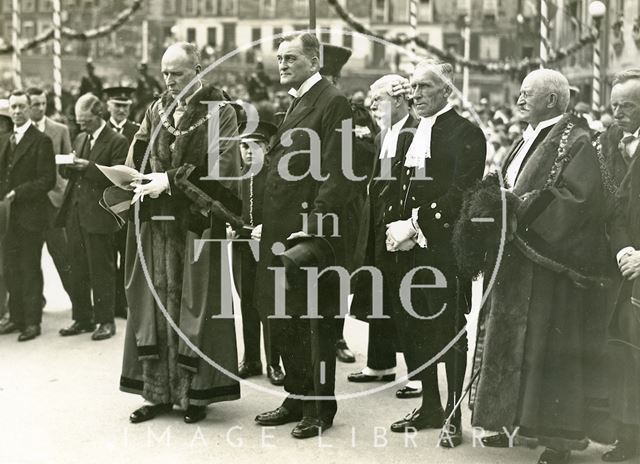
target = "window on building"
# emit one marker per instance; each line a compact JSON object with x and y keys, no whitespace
{"x":347,"y":38}
{"x":28,"y":29}
{"x":46,"y":6}
{"x":380,"y":10}
{"x":276,"y":38}
{"x":210,"y":7}
{"x":169,"y":6}
{"x":191,"y":34}
{"x":228,"y":7}
{"x":256,"y":34}
{"x":299,"y":27}
{"x":325,"y":36}
{"x":6,"y":6}
{"x":28,"y":6}
{"x":189,"y":7}
{"x":489,"y":48}
{"x":300,"y":7}
{"x":268,"y":8}
{"x":212,"y":37}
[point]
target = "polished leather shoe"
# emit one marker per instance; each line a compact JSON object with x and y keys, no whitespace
{"x":310,"y":427}
{"x":276,"y":376}
{"x":621,"y":451}
{"x":77,"y":328}
{"x":499,"y":440}
{"x":417,"y":420}
{"x":450,"y":436}
{"x":278,"y":416}
{"x":408,"y":392}
{"x":343,"y":353}
{"x":148,"y":412}
{"x":248,"y":369}
{"x":8,"y":327}
{"x":550,"y":456}
{"x":195,"y":414}
{"x":359,"y":377}
{"x":104,"y":331}
{"x":29,"y":333}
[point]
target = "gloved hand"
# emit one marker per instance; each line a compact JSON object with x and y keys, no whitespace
{"x":158,"y":183}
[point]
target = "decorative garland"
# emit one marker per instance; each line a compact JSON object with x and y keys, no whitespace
{"x":562,"y":159}
{"x":505,"y":67}
{"x":68,"y":33}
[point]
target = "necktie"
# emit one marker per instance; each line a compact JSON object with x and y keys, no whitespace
{"x":624,"y":144}
{"x":87,"y":146}
{"x":12,"y":143}
{"x":292,"y":106}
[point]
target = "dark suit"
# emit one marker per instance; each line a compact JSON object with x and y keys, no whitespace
{"x":370,"y":250}
{"x":90,"y":228}
{"x":129,"y":129}
{"x":458,"y":151}
{"x":306,"y":344}
{"x":624,"y":325}
{"x":30,"y":171}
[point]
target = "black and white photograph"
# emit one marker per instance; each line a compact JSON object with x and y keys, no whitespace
{"x":319,"y":231}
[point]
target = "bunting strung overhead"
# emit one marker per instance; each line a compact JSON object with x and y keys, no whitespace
{"x":495,"y":67}
{"x":68,"y":33}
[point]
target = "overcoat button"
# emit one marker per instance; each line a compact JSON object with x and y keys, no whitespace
{"x":438,"y":215}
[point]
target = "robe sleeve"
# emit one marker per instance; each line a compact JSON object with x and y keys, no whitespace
{"x":554,"y":214}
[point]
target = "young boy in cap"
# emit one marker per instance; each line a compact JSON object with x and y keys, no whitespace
{"x":253,"y":148}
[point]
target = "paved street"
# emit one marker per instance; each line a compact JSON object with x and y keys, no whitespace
{"x":60,"y":404}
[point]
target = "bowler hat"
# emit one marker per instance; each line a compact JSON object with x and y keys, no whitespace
{"x":306,"y":252}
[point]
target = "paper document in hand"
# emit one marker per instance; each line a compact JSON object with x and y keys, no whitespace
{"x":120,"y":175}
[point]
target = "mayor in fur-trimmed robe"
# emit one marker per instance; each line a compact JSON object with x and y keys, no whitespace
{"x":160,"y":363}
{"x":532,"y":329}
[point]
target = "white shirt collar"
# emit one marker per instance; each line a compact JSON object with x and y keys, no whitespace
{"x":433,"y":117}
{"x":530,"y":131}
{"x":305,"y":86}
{"x":636,"y":134}
{"x":97,"y":132}
{"x":40,"y":125}
{"x":117,"y":125}
{"x":23,"y":128}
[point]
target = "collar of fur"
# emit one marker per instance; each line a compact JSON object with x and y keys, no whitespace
{"x":537,"y":170}
{"x":196,"y":108}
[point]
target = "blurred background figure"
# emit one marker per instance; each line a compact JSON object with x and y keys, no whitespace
{"x":147,"y":90}
{"x":91,"y":83}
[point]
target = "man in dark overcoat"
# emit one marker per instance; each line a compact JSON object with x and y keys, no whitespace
{"x":624,"y":327}
{"x":304,"y":202}
{"x":27,"y":173}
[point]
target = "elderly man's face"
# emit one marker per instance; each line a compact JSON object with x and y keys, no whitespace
{"x":118,"y":111}
{"x":383,"y":107}
{"x":178,"y":70}
{"x":430,"y":92}
{"x":294,"y":66}
{"x":533,"y":102}
{"x":625,"y":103}
{"x":19,"y":109}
